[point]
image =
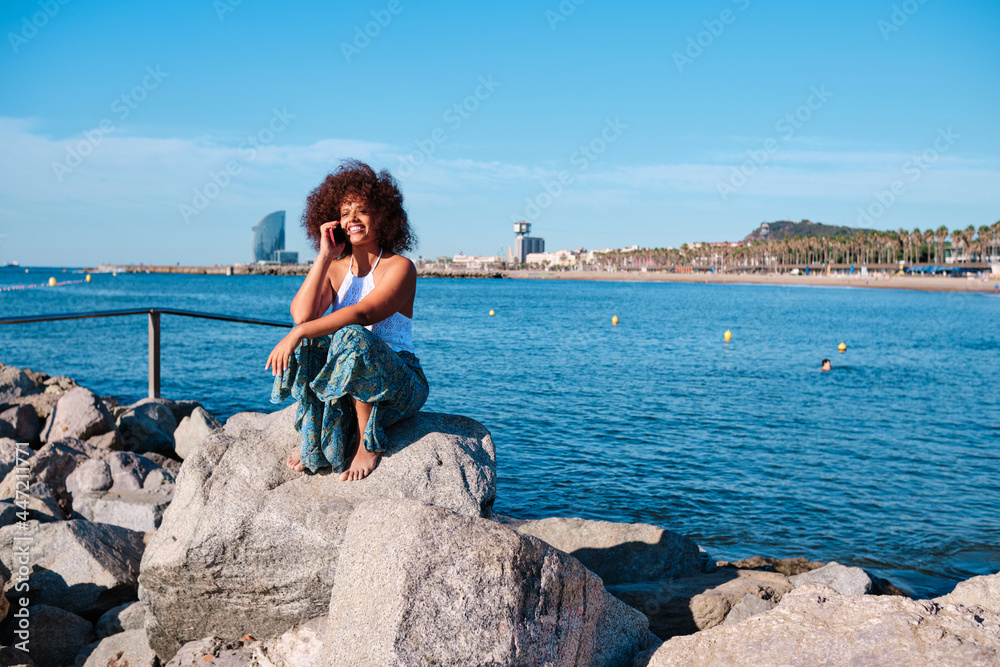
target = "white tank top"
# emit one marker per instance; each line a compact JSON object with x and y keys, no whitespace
{"x":396,"y":330}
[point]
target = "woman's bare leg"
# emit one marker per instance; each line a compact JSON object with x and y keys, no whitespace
{"x":363,"y":461}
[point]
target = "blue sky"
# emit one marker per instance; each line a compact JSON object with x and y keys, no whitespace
{"x":604,"y":124}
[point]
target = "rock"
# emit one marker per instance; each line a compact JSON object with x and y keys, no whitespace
{"x":621,"y":553}
{"x":418,"y":584}
{"x":20,"y":423}
{"x":90,"y":476}
{"x":141,"y":510}
{"x":112,"y":440}
{"x":193,"y":430}
{"x":128,"y":616}
{"x":59,"y":384}
{"x":78,"y":414}
{"x":748,"y":607}
{"x":238,"y":512}
{"x":78,"y":566}
{"x":982,"y":592}
{"x":173,"y":466}
{"x":158,"y":478}
{"x":55,"y":635}
{"x":689,"y":604}
{"x":11,"y":657}
{"x":815,"y":625}
{"x":42,"y":504}
{"x":299,"y":647}
{"x":14,"y":383}
{"x":9,"y":455}
{"x":129,"y":470}
{"x":786,"y":566}
{"x":50,"y":465}
{"x":845,"y":580}
{"x":148,"y":426}
{"x":126,"y":649}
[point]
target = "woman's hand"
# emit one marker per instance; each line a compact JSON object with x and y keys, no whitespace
{"x":326,"y":245}
{"x":277,"y":361}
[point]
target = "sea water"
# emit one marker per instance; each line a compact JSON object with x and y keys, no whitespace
{"x":888,"y":462}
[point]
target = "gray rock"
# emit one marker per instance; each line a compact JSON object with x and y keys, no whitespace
{"x":158,"y":478}
{"x":50,"y":465}
{"x":10,"y":453}
{"x":786,"y":566}
{"x":748,"y":607}
{"x":148,"y":426}
{"x":689,"y":604}
{"x":78,"y":414}
{"x":845,"y":580}
{"x":126,"y":649}
{"x":11,"y":657}
{"x":418,"y":584}
{"x":193,"y":430}
{"x":42,"y":503}
{"x":59,"y":384}
{"x":238,"y":511}
{"x":982,"y":592}
{"x":112,"y":441}
{"x":173,"y":466}
{"x":179,"y":409}
{"x":301,"y":646}
{"x":128,"y":470}
{"x":78,"y":566}
{"x":815,"y":625}
{"x":56,"y":635}
{"x":621,"y":553}
{"x":128,"y":616}
{"x":20,"y":423}
{"x":141,"y":510}
{"x":90,"y":476}
{"x":14,"y":383}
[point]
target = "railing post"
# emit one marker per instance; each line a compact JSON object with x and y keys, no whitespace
{"x":154,"y":354}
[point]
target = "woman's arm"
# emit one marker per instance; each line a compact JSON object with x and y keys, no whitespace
{"x":315,"y":295}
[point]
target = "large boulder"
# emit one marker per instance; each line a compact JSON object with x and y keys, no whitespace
{"x":78,"y":566}
{"x":136,"y":510}
{"x":148,"y":426}
{"x":686,"y":605}
{"x":15,"y":383}
{"x":50,"y":465}
{"x":815,"y":625}
{"x":124,"y":617}
{"x":301,"y":646}
{"x":11,"y":455}
{"x":193,"y":430}
{"x":78,"y":414}
{"x":249,"y":546}
{"x":622,"y":553}
{"x":841,"y":578}
{"x":418,"y":584}
{"x":55,"y":635}
{"x":982,"y":592}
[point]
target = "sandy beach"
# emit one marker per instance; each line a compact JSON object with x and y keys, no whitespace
{"x":922,"y":283}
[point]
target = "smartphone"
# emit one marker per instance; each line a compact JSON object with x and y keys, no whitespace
{"x":338,"y":235}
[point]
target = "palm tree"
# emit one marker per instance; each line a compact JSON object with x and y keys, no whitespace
{"x":941,"y":235}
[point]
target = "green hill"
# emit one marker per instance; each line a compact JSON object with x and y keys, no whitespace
{"x":784,"y":229}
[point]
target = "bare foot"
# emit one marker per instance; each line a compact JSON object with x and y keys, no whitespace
{"x":361,"y":465}
{"x":294,"y":463}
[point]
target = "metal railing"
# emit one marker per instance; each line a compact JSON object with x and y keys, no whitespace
{"x":154,"y":329}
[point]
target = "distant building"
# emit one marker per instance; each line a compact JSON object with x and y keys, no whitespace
{"x":269,"y":237}
{"x":525,"y":245}
{"x":286,"y":256}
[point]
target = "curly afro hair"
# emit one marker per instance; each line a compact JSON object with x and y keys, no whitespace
{"x":355,"y":180}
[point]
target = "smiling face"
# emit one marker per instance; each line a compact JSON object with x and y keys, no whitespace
{"x":357,"y":221}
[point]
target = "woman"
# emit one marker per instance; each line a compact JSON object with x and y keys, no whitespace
{"x":353,"y":371}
